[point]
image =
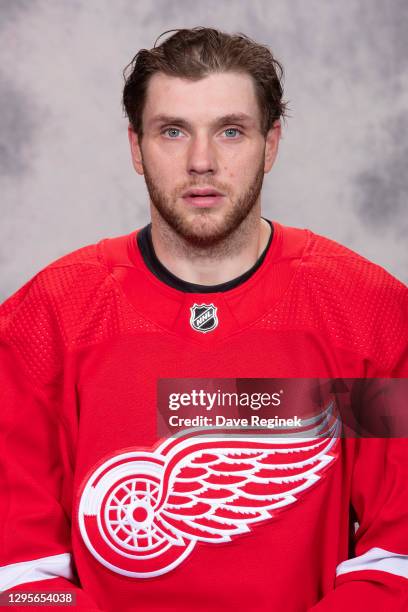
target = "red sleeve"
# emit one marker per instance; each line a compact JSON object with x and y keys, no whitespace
{"x":35,"y":466}
{"x":376,"y":578}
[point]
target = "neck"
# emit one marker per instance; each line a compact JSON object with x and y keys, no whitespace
{"x":213,"y":265}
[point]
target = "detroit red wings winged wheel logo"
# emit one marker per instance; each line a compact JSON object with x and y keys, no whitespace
{"x":142,"y":513}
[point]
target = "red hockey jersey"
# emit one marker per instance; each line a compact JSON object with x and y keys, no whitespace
{"x":95,"y":503}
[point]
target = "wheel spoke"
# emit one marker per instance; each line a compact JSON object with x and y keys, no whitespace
{"x":118,"y":502}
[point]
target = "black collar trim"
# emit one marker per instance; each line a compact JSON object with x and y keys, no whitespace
{"x":145,"y":244}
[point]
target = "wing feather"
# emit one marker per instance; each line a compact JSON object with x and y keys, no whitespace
{"x":211,"y":494}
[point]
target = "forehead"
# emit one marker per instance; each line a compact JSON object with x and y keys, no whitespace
{"x":215,"y":95}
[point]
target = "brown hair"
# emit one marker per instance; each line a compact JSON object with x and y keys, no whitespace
{"x":197,"y":52}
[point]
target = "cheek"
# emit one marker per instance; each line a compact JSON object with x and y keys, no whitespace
{"x":158,"y":164}
{"x":241,"y":163}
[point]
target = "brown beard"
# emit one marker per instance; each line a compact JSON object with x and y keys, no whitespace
{"x":213,"y":235}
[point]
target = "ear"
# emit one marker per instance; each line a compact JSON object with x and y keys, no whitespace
{"x":135,"y":150}
{"x":271,"y":145}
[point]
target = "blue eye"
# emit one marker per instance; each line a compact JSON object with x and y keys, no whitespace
{"x":233,"y":130}
{"x":175,"y":132}
{"x":168,"y":130}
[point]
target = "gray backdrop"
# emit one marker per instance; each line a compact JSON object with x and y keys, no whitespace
{"x":66,"y":178}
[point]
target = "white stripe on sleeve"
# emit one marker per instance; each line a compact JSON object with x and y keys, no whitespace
{"x":376,"y":559}
{"x":37,"y":569}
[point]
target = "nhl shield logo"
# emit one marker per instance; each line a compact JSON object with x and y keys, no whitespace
{"x":203,"y":317}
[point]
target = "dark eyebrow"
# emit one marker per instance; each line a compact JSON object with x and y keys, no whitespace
{"x":240,"y":118}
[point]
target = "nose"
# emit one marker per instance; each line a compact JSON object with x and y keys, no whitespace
{"x":201,"y":156}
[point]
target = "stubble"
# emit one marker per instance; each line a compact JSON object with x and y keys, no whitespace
{"x":203,"y":234}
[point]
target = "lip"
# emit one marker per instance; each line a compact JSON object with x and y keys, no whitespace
{"x":203,"y":201}
{"x":201,"y":197}
{"x":202,"y":191}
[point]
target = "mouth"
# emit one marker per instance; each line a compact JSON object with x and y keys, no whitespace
{"x":203,"y":197}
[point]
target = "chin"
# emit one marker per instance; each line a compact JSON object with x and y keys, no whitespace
{"x":203,"y":227}
{"x":204,"y":236}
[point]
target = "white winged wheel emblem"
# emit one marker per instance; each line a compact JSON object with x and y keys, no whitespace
{"x":142,"y":513}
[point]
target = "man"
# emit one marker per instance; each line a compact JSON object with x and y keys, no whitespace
{"x":96,"y":502}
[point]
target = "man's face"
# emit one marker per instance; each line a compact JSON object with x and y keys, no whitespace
{"x":191,"y":140}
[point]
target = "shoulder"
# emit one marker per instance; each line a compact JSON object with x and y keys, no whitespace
{"x":348,"y":272}
{"x":57,"y":279}
{"x":355,"y":303}
{"x":337,"y":269}
{"x":48,"y":314}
